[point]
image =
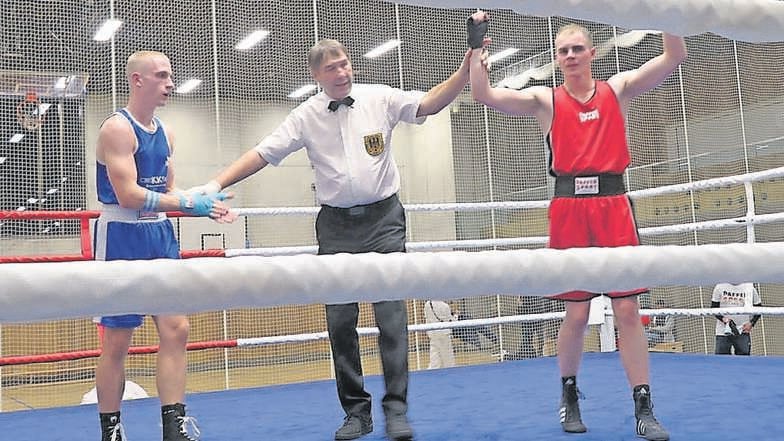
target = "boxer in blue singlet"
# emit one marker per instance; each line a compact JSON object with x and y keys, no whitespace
{"x":135,"y":186}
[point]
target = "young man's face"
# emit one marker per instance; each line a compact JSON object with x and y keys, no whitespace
{"x":573,"y":53}
{"x":335,"y":75}
{"x":155,"y":80}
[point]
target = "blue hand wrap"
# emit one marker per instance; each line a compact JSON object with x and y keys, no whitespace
{"x":151,"y":199}
{"x":200,"y":204}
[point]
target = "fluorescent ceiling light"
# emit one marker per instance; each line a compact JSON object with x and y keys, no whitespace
{"x":188,"y":85}
{"x":63,"y":82}
{"x":302,"y":91}
{"x":52,"y":191}
{"x":503,"y":54}
{"x":251,"y":40}
{"x":2,"y":159}
{"x":107,"y":30}
{"x":384,"y":48}
{"x":16,"y":138}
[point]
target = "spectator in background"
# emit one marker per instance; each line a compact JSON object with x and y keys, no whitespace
{"x":472,"y":335}
{"x":660,"y":328}
{"x":532,"y":333}
{"x":442,"y":355}
{"x":734,"y":331}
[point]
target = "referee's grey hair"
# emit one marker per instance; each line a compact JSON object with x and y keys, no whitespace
{"x":322,"y":49}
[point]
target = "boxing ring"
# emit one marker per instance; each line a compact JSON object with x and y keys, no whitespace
{"x":502,"y":401}
{"x":479,"y":400}
{"x":250,"y":279}
{"x":254,"y":281}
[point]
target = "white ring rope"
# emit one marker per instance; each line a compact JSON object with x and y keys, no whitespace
{"x":709,"y":183}
{"x":410,"y":246}
{"x":759,"y":219}
{"x":507,"y":319}
{"x":753,"y":21}
{"x":749,"y":219}
{"x":520,"y":205}
{"x":761,"y":310}
{"x":47,"y":291}
{"x":454,"y":206}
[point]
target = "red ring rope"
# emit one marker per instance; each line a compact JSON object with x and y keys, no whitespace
{"x":84,"y":236}
{"x":93,"y":353}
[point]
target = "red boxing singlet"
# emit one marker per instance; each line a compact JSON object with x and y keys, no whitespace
{"x":588,"y":138}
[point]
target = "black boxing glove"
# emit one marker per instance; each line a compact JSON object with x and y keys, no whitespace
{"x":476,"y":32}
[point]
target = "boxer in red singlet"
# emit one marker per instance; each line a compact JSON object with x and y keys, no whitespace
{"x":583,"y":120}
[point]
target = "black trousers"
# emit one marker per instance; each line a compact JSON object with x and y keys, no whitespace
{"x":741,"y":343}
{"x":381,"y":228}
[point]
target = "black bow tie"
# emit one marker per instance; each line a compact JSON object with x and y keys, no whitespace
{"x":334,"y":105}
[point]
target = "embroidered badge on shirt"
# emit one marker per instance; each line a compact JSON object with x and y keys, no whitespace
{"x":374,"y":144}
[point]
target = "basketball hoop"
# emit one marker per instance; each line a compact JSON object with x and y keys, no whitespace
{"x":28,"y":112}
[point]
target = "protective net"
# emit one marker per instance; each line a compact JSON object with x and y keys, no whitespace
{"x":719,"y":115}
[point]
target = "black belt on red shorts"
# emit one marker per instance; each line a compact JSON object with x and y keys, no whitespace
{"x":589,"y":186}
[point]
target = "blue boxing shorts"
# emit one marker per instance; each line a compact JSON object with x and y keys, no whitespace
{"x":122,"y":234}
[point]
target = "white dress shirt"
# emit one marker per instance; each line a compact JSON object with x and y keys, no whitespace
{"x":349,"y":149}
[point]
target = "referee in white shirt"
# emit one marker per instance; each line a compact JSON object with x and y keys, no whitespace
{"x":346,"y":130}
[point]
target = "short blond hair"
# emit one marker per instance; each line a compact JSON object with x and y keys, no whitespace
{"x":322,"y":49}
{"x":574,"y":28}
{"x":138,"y":58}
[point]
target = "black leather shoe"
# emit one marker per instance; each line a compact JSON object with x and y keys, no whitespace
{"x":398,"y":428}
{"x":354,"y":427}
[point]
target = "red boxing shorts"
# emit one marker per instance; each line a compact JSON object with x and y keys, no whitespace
{"x":599,"y":221}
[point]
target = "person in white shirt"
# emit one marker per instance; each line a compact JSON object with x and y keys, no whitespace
{"x":734,"y":331}
{"x":442,"y":354}
{"x":660,"y":328}
{"x":346,"y":130}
